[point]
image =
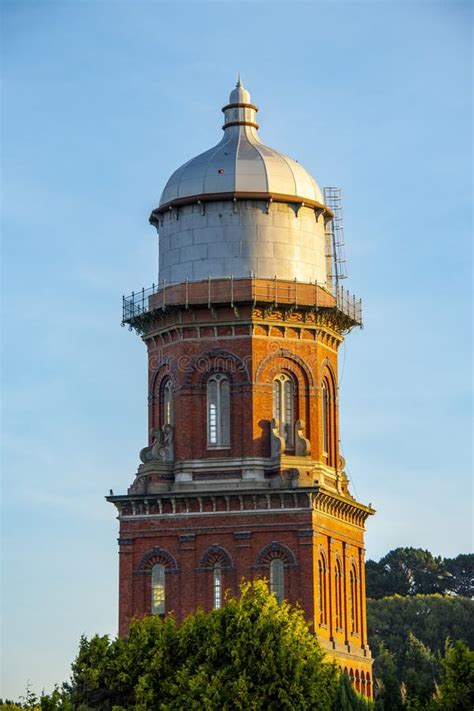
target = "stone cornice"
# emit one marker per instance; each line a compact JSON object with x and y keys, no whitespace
{"x":230,"y":503}
{"x":324,"y":324}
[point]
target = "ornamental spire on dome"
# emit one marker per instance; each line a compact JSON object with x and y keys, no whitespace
{"x":240,"y":111}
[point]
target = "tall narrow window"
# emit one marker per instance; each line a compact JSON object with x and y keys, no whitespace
{"x":338,"y":582}
{"x":325,"y":417}
{"x":158,"y":589}
{"x":218,"y":411}
{"x":167,"y":403}
{"x":277,"y":584}
{"x":284,"y":407}
{"x":322,"y":592}
{"x":353,"y":601}
{"x":217,"y":585}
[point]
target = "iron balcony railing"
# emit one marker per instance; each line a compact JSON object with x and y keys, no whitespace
{"x":230,"y":290}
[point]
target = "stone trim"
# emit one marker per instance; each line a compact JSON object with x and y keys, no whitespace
{"x":156,"y":555}
{"x":276,"y":550}
{"x":232,"y":503}
{"x":213,"y":555}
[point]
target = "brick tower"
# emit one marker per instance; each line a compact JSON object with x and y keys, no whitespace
{"x":242,"y":475}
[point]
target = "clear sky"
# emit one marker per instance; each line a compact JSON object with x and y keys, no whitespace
{"x":101,"y":102}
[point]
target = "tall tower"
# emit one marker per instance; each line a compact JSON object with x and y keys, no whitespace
{"x":242,"y":475}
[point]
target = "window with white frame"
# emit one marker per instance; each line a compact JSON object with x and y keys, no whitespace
{"x":158,"y":589}
{"x":218,"y":411}
{"x":284,"y":407}
{"x":277,"y":583}
{"x":217,"y":585}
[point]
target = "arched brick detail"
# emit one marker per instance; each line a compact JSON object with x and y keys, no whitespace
{"x":327,"y":371}
{"x":288,"y":355}
{"x":216,"y":360}
{"x":215,"y":554}
{"x":166,"y":368}
{"x":276,"y":550}
{"x":153,"y":556}
{"x":368,"y":686}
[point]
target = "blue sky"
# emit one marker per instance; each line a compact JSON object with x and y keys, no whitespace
{"x":101,"y":102}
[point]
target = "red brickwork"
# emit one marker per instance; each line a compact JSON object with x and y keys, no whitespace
{"x":245,"y":527}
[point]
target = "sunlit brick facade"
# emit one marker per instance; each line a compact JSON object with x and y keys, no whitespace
{"x":242,"y":476}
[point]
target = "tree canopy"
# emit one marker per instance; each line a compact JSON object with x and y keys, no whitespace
{"x":457,"y":686}
{"x":251,"y":654}
{"x":257,"y":654}
{"x":430,"y":618}
{"x":414,"y":571}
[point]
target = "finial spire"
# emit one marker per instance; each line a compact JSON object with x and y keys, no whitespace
{"x":240,"y":111}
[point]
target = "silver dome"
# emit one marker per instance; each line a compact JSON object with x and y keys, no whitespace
{"x":241,"y":163}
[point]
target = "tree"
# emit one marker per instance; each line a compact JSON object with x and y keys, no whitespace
{"x":419,"y":671}
{"x":252,"y":654}
{"x":430,"y":618}
{"x":457,"y":687}
{"x":388,"y":696}
{"x":407,"y":571}
{"x":461,"y":570}
{"x":347,"y":699}
{"x":413,"y":571}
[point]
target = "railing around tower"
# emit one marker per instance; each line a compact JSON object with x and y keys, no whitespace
{"x":229,"y":290}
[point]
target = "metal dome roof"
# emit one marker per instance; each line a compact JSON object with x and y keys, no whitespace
{"x":240,"y":164}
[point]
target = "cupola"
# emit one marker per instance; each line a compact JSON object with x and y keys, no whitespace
{"x":241,"y":163}
{"x":242,"y":209}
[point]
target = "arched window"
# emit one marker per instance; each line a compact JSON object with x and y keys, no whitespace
{"x":322,"y":591}
{"x":326,"y":417}
{"x":284,"y":407}
{"x":368,"y":686}
{"x":338,"y":583}
{"x":167,"y":403}
{"x":158,"y":589}
{"x":357,"y":681}
{"x":217,"y":585}
{"x":353,"y":601}
{"x":218,"y":411}
{"x":277,"y":583}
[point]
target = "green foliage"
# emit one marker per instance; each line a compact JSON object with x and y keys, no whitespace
{"x":256,"y":654}
{"x":430,"y":618}
{"x":408,"y":635}
{"x":461,"y":570}
{"x":388,"y":697}
{"x":252,"y":654}
{"x":111,"y":674}
{"x":58,"y":700}
{"x":407,"y":571}
{"x":457,"y":687}
{"x":419,"y":671}
{"x":347,"y":699}
{"x":414,"y":571}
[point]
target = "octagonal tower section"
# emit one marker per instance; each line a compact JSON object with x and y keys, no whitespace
{"x":242,"y":474}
